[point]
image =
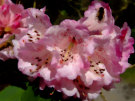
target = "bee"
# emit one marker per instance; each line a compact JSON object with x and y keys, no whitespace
{"x":100,"y":13}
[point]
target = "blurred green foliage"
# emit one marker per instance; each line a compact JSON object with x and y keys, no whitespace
{"x":129,"y":75}
{"x":29,"y":95}
{"x":12,"y":93}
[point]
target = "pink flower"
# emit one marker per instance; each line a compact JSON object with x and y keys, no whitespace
{"x":108,"y":57}
{"x":55,"y":57}
{"x":62,"y":42}
{"x":37,"y":20}
{"x":5,"y":2}
{"x":33,"y":57}
{"x":11,"y":16}
{"x":81,"y":63}
{"x":67,"y":44}
{"x":65,"y":40}
{"x":98,"y":16}
{"x":77,"y":58}
{"x":126,"y":43}
{"x":36,"y":23}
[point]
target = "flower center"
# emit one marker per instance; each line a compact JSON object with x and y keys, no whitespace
{"x":41,"y":63}
{"x":7,"y":29}
{"x":34,"y":36}
{"x":66,"y":54}
{"x":97,"y":67}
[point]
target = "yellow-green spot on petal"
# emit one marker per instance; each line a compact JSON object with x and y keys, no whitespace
{"x":7,"y":29}
{"x":7,"y":42}
{"x":69,"y":49}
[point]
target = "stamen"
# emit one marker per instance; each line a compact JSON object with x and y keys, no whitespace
{"x":38,"y":59}
{"x":84,"y":94}
{"x":68,"y":50}
{"x":48,"y":60}
{"x":34,"y":4}
{"x":66,"y":53}
{"x":91,"y":65}
{"x":95,"y":68}
{"x":35,"y":31}
{"x":52,"y":92}
{"x":38,"y":38}
{"x":28,"y":34}
{"x":38,"y":34}
{"x":89,"y":59}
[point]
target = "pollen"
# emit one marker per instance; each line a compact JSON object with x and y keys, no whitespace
{"x":34,"y":36}
{"x":96,"y":68}
{"x":66,"y":54}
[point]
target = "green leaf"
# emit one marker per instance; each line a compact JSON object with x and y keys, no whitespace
{"x":129,"y":76}
{"x":28,"y":95}
{"x":63,"y":13}
{"x":133,"y":32}
{"x":11,"y":93}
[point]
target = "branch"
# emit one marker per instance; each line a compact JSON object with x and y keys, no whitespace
{"x":103,"y":97}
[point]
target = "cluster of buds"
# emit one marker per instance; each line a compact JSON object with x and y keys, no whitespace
{"x":77,"y":58}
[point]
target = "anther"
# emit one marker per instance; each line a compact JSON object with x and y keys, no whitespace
{"x":35,"y":31}
{"x":30,"y":40}
{"x":95,"y":70}
{"x":28,"y":34}
{"x":92,"y":65}
{"x":46,"y":62}
{"x":38,"y":34}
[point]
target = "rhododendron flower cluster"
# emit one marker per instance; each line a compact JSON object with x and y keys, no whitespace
{"x":77,"y":58}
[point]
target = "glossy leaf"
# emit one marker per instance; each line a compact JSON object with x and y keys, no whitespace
{"x":11,"y":93}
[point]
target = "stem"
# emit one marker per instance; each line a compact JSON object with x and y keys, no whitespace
{"x":18,"y":2}
{"x":7,"y":42}
{"x":34,"y":4}
{"x":132,"y":66}
{"x":103,"y":97}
